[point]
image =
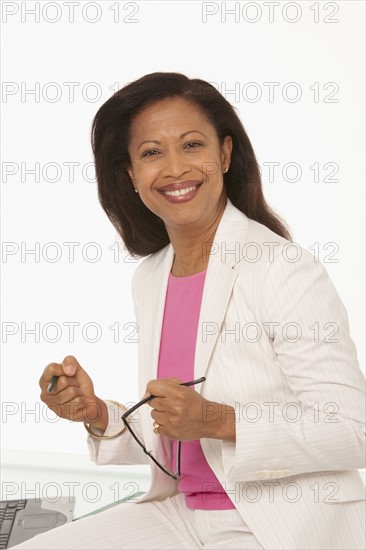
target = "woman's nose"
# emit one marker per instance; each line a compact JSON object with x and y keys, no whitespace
{"x":175,"y":164}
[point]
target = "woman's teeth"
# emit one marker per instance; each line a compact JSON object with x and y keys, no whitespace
{"x":179,"y":192}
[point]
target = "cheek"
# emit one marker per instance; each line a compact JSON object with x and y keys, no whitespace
{"x":210,"y":166}
{"x":144,"y":173}
{"x":214,"y":174}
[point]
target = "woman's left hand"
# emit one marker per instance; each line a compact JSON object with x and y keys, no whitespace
{"x":182,"y":413}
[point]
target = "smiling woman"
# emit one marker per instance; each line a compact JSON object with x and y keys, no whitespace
{"x":166,"y":131}
{"x":221,"y":333}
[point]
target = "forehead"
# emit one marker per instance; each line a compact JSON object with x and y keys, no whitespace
{"x":166,"y":115}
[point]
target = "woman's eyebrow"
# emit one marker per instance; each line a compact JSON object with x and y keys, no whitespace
{"x":181,"y":136}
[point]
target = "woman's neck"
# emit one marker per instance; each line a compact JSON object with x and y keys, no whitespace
{"x":192,"y":249}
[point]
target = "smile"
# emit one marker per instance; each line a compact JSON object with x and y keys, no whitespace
{"x":180,"y":192}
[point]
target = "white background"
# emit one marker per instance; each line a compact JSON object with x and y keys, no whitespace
{"x":167,"y":36}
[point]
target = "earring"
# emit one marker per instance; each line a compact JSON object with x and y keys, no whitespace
{"x":227,"y":169}
{"x":136,"y":191}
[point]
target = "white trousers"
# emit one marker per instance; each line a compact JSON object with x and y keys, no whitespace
{"x":150,"y":525}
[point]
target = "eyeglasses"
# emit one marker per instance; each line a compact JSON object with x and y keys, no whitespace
{"x":175,"y":475}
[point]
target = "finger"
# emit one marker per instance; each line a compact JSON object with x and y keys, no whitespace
{"x":166,"y":429}
{"x":161,"y":387}
{"x":158,"y":403}
{"x":75,"y":409}
{"x":159,"y":417}
{"x":62,"y":397}
{"x":52,"y":384}
{"x":61,"y":383}
{"x":53,"y":369}
{"x":173,"y":380}
{"x":71,"y":405}
{"x":152,"y":387}
{"x":54,"y":388}
{"x":71,"y":366}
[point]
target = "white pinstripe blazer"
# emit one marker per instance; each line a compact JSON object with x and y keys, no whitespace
{"x":273,"y":341}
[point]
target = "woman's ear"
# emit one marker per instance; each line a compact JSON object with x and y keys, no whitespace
{"x":131,"y":173}
{"x":227,"y":148}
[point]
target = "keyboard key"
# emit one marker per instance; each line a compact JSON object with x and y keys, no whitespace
{"x":6,"y":526}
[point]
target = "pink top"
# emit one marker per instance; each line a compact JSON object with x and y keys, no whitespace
{"x":198,"y":482}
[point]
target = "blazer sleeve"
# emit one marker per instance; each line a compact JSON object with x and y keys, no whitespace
{"x":319,"y":360}
{"x":122,"y":449}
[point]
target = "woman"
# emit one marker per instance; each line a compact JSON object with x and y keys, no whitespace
{"x":272,"y":438}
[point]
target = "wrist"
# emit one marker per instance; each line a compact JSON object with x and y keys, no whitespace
{"x":219,"y":421}
{"x":102,"y":419}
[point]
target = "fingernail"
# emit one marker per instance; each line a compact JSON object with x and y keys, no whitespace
{"x":70,"y":369}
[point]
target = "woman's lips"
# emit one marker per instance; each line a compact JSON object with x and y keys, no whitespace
{"x":182,"y":195}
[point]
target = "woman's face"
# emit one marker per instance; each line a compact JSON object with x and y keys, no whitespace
{"x":173,"y":145}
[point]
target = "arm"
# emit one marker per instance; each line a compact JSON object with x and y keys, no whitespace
{"x":324,"y":377}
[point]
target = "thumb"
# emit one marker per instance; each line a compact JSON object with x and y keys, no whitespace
{"x":173,"y":380}
{"x":70,"y":365}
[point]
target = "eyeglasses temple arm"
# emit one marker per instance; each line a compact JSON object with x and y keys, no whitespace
{"x":149,"y":397}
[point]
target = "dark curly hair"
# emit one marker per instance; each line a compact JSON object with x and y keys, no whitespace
{"x":142,"y":231}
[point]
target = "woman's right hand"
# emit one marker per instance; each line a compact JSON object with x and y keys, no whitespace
{"x":73,"y":397}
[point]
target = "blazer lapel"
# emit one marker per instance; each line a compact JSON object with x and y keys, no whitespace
{"x":219,"y":282}
{"x":220,"y":277}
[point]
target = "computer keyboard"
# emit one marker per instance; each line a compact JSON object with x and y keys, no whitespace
{"x":8,"y":510}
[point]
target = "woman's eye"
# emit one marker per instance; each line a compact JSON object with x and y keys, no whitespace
{"x":147,"y":153}
{"x":154,"y":152}
{"x":194,"y":143}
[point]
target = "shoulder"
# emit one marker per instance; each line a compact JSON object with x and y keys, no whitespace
{"x":278,"y":277}
{"x":272,"y":249}
{"x":269,"y":261}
